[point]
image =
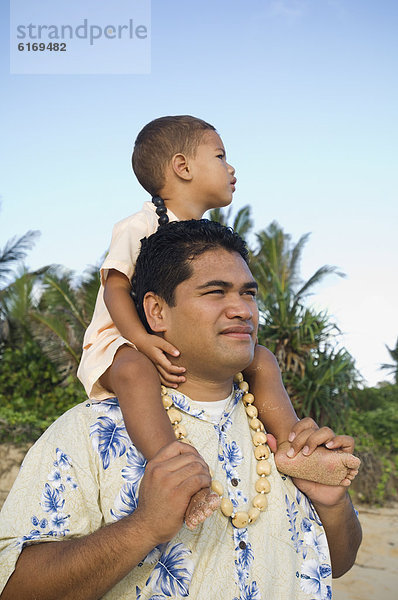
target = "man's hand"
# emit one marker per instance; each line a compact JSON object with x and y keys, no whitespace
{"x":86,"y":568}
{"x":318,"y":493}
{"x":156,"y":349}
{"x":171,"y":478}
{"x":306,"y":436}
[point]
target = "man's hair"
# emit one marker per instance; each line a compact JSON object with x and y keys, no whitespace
{"x":166,"y":257}
{"x":159,"y":141}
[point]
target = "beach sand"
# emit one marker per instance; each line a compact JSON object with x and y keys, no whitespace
{"x":374,"y":575}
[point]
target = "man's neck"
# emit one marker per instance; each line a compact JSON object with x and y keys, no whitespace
{"x":202,"y":390}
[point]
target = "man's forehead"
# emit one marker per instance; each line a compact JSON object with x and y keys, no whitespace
{"x":221,"y":264}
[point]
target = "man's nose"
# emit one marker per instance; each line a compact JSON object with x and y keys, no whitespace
{"x":239,"y":307}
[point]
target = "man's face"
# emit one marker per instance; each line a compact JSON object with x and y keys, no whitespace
{"x":215,"y":318}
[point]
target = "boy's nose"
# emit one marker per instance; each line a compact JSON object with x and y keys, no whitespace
{"x":231,"y":169}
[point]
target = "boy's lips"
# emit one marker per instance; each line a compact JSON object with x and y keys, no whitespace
{"x":233,"y":182}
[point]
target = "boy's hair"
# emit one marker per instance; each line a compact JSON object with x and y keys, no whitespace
{"x":165,"y":259}
{"x":159,"y":141}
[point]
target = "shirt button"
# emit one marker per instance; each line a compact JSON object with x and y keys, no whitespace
{"x":242,"y":545}
{"x":234,"y":482}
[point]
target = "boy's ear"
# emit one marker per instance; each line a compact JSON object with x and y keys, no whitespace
{"x":180,"y":166}
{"x":154,"y":311}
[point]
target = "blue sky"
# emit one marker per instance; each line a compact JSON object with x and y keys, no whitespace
{"x":304,"y":94}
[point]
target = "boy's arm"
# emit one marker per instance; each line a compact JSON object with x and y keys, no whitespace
{"x":121,"y":307}
{"x":124,"y":315}
{"x":86,"y":568}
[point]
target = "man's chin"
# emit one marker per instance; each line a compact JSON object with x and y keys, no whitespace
{"x":240,"y":361}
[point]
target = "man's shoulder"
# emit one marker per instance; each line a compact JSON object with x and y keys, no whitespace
{"x":82,"y":432}
{"x":76,"y":420}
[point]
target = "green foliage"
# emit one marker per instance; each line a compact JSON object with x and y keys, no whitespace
{"x":376,"y":413}
{"x":318,"y":377}
{"x":392,"y":368}
{"x":63,"y":314}
{"x":14,"y":251}
{"x":325,"y":391}
{"x":373,"y":422}
{"x":32,"y":393}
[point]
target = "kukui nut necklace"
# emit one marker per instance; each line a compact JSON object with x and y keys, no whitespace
{"x":239,"y":518}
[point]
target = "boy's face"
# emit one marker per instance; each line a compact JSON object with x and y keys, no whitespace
{"x":213,"y":178}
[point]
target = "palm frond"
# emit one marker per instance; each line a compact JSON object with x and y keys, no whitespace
{"x":14,"y":251}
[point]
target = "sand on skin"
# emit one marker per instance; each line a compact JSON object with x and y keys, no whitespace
{"x":374,"y":575}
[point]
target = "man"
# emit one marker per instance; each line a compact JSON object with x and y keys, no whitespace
{"x":195,"y":289}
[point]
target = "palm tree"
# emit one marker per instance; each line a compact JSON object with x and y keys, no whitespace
{"x":14,"y":295}
{"x":16,"y":304}
{"x":13,"y":252}
{"x":289,"y":328}
{"x":325,"y":392}
{"x":392,"y":367}
{"x":64,"y":313}
{"x":242,"y":223}
{"x":302,"y":339}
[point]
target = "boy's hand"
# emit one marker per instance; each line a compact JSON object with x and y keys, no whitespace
{"x":156,"y":348}
{"x":306,"y":436}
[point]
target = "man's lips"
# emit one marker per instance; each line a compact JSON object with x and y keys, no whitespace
{"x":240,"y":332}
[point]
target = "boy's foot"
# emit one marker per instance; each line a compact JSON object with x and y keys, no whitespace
{"x":330,"y":467}
{"x":202,"y":505}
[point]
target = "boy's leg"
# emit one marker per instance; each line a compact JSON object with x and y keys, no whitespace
{"x":135,"y":381}
{"x":275,"y":410}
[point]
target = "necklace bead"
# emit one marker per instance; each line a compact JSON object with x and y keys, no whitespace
{"x":226,"y":506}
{"x":251,"y":411}
{"x":239,"y":518}
{"x":259,"y":438}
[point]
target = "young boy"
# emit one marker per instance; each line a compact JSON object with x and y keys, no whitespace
{"x":181,"y":162}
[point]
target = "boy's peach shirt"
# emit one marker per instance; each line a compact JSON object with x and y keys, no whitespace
{"x":102,"y":339}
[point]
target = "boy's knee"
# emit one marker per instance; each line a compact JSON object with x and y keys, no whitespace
{"x":130,"y":364}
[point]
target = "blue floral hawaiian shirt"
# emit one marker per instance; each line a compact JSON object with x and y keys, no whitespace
{"x":84,"y":472}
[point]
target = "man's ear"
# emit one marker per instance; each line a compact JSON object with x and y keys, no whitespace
{"x":180,"y":166}
{"x":154,"y":308}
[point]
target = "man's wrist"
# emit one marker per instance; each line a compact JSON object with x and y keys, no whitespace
{"x":335,"y":508}
{"x":142,"y":530}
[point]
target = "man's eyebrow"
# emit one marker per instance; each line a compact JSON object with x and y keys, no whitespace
{"x":215,"y":283}
{"x":248,"y":285}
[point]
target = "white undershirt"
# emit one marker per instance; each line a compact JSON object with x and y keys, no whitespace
{"x":213,"y":410}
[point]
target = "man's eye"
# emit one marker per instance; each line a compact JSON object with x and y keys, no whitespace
{"x":252,"y":293}
{"x":215,"y":292}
